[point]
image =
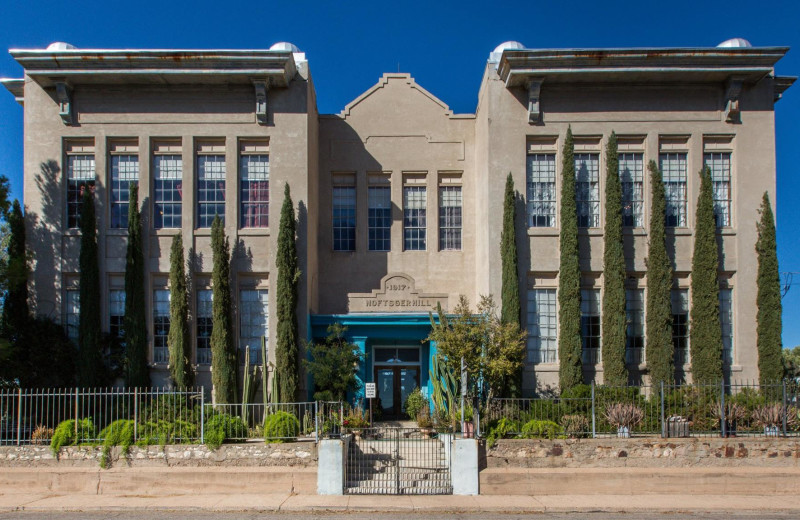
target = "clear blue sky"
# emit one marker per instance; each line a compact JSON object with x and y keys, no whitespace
{"x":444,"y":45}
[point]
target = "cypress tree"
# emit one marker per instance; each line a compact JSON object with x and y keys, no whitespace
{"x":180,"y":353}
{"x":286,"y":364}
{"x":90,"y":359}
{"x":768,"y":301}
{"x":223,"y":351}
{"x":135,"y":322}
{"x":659,"y":349}
{"x":705,"y":333}
{"x":508,"y":250}
{"x":510,"y":312}
{"x":15,"y":306}
{"x":569,"y":277}
{"x":615,"y":371}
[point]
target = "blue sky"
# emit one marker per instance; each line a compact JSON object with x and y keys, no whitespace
{"x":444,"y":45}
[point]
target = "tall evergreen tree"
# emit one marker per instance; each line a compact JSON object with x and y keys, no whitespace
{"x":508,"y":251}
{"x":223,"y":351}
{"x":569,"y":277}
{"x":659,"y":349}
{"x":510,"y":304}
{"x":615,"y":372}
{"x":286,"y":350}
{"x":90,"y":357}
{"x":135,"y":321}
{"x":15,"y":306}
{"x":768,"y":301}
{"x":180,"y":351}
{"x":705,"y":332}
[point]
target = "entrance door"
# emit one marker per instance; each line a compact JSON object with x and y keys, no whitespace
{"x":394,"y":384}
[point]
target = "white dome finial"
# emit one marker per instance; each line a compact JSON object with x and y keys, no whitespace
{"x":60,"y":46}
{"x":735,"y":43}
{"x":494,"y":56}
{"x":285,"y":46}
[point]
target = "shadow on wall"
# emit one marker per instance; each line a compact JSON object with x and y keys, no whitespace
{"x":45,"y":231}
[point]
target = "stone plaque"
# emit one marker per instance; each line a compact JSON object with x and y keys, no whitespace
{"x":397,"y":294}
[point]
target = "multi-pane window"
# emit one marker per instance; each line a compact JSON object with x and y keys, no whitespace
{"x":726,"y":320}
{"x":203,"y":321}
{"x":542,"y":326}
{"x":80,"y":177}
{"x":720,"y":165}
{"x":160,"y":326}
{"x":210,"y":189}
{"x":587,"y":189}
{"x":344,"y":218}
{"x":380,"y":218}
{"x":450,"y":218}
{"x":254,"y":171}
{"x":673,"y":172}
{"x":414,"y":218}
{"x":541,"y":180}
{"x":634,"y":332}
{"x":680,"y":326}
{"x":72,"y":313}
{"x":631,"y":176}
{"x":116,"y":314}
{"x":253,"y":314}
{"x":124,"y":171}
{"x":168,"y":186}
{"x":590,"y":326}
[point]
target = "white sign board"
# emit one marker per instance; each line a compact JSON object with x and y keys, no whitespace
{"x":369,"y":388}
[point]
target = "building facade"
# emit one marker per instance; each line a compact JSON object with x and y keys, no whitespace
{"x":399,"y":200}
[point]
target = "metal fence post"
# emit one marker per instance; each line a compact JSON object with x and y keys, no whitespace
{"x":664,"y":430}
{"x":724,"y":419}
{"x":784,"y":410}
{"x":202,"y":415}
{"x":76,"y":412}
{"x":136,"y":413}
{"x":19,"y":416}
{"x":316,"y":422}
{"x":594,"y":422}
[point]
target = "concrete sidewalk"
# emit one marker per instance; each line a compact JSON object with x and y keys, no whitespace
{"x":495,"y":503}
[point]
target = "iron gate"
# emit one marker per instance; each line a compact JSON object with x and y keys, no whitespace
{"x":398,"y":461}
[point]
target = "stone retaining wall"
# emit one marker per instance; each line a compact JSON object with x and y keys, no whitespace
{"x":600,"y":453}
{"x":298,"y":454}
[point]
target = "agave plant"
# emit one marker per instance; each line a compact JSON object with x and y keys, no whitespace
{"x":624,"y":415}
{"x":575,"y":424}
{"x":733,"y":411}
{"x":772,"y":415}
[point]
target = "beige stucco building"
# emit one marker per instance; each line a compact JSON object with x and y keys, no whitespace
{"x":399,"y":200}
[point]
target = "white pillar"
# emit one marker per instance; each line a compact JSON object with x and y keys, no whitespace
{"x":464,"y":467}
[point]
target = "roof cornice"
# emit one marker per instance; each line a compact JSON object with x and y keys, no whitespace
{"x":159,"y":66}
{"x":716,"y":64}
{"x":16,"y":87}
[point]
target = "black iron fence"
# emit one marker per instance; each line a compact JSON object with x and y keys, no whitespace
{"x":726,"y":410}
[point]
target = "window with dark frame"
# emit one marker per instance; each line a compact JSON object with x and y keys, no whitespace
{"x":253,"y":320}
{"x":116,"y":314}
{"x":254,"y":185}
{"x":414,"y":218}
{"x":680,"y":325}
{"x":379,"y":218}
{"x":673,"y":172}
{"x":124,"y":172}
{"x":160,"y":326}
{"x":631,"y":176}
{"x":720,"y":165}
{"x":344,"y":218}
{"x":541,"y":181}
{"x":204,"y":323}
{"x":542,"y":326}
{"x":168,"y":190}
{"x":587,"y":189}
{"x":450,"y":210}
{"x":634,"y":332}
{"x":590,"y":326}
{"x":210,"y":189}
{"x":80,"y":177}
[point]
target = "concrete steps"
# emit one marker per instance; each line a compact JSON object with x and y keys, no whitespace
{"x":386,"y":467}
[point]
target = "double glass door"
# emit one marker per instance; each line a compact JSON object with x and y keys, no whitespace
{"x":393,"y":385}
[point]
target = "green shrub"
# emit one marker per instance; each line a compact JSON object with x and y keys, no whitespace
{"x":118,"y":433}
{"x":65,"y":434}
{"x":281,"y":427}
{"x":162,"y":432}
{"x":220,"y":427}
{"x":414,"y":403}
{"x":542,"y":430}
{"x":499,"y":429}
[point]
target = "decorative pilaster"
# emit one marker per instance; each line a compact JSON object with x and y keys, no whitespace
{"x":534,"y":86}
{"x":64,"y":95}
{"x":261,"y":88}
